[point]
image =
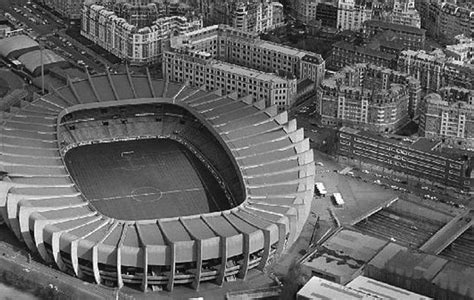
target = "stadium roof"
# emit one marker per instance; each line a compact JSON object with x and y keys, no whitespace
{"x":32,"y":59}
{"x":18,"y":43}
{"x":274,"y":160}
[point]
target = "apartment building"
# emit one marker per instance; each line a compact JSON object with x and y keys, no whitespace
{"x":70,"y":9}
{"x":248,"y":50}
{"x":351,"y":14}
{"x":239,"y":61}
{"x":305,"y":10}
{"x":344,"y":54}
{"x":404,"y":13}
{"x":435,"y":69}
{"x":252,"y":16}
{"x":137,"y":45}
{"x":197,"y":68}
{"x":257,"y":16}
{"x":368,"y":97}
{"x":449,"y":116}
{"x":447,"y":18}
{"x":420,"y":160}
{"x":411,"y":37}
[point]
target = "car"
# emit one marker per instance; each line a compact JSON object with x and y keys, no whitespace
{"x":425,"y":188}
{"x":365,"y":171}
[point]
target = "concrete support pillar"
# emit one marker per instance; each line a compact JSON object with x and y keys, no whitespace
{"x":199,"y":249}
{"x":246,"y":253}
{"x":144,"y":251}
{"x":221,"y":276}
{"x":172,"y":247}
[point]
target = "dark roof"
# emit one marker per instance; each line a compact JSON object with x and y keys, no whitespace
{"x":393,"y":26}
{"x":364,"y":50}
{"x":425,"y":144}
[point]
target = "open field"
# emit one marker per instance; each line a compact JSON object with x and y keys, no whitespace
{"x":145,"y":179}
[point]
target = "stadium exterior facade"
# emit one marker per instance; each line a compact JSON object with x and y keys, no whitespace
{"x":41,"y":204}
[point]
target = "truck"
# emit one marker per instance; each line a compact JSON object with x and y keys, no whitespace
{"x":321,"y":189}
{"x":338,"y":200}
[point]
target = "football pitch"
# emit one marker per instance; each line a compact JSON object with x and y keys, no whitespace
{"x":144,"y":179}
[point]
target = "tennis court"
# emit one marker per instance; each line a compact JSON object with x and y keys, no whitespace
{"x":144,"y":179}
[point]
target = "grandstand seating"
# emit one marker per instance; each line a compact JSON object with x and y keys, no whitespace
{"x":262,"y":158}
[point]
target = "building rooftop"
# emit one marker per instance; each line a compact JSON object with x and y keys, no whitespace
{"x":456,"y":275}
{"x":318,"y":288}
{"x":242,"y":71}
{"x":425,"y":144}
{"x":383,"y":290}
{"x":420,"y":144}
{"x":394,"y":26}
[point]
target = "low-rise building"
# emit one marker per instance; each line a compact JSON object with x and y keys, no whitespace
{"x":368,"y":97}
{"x":420,"y":159}
{"x":449,"y":117}
{"x":411,"y":37}
{"x":137,"y":45}
{"x":344,"y":54}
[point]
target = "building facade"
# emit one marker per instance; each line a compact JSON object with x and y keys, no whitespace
{"x":447,"y":18}
{"x":351,"y":14}
{"x":200,"y":70}
{"x":435,"y":70}
{"x":404,"y":13}
{"x":246,"y":49}
{"x":257,"y":16}
{"x":411,"y":37}
{"x":344,"y":54}
{"x":252,"y":16}
{"x":70,"y":9}
{"x":429,"y":165}
{"x":449,"y":117}
{"x":368,"y":97}
{"x":131,"y":43}
{"x":239,"y":61}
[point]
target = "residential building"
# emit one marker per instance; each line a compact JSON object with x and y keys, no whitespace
{"x":435,"y":69}
{"x":404,"y":13}
{"x":449,"y":116}
{"x":257,"y":16}
{"x":447,"y":19}
{"x":305,"y":10}
{"x":411,"y":37}
{"x":421,"y":159}
{"x":239,"y":61}
{"x":344,"y":54}
{"x":351,"y":14}
{"x":248,"y":50}
{"x":463,"y":50}
{"x":252,"y":16}
{"x":199,"y":69}
{"x":70,"y":9}
{"x":326,"y":11}
{"x":129,"y":42}
{"x":368,"y":97}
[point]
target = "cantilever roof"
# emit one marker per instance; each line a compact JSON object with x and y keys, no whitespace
{"x":15,"y":44}
{"x":32,"y":60}
{"x":50,"y":199}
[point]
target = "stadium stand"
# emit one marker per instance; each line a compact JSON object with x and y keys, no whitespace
{"x":235,"y":139}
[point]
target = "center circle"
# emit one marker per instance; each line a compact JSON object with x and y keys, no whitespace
{"x":146,"y":194}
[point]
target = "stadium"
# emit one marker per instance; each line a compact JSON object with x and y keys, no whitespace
{"x":123,"y":179}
